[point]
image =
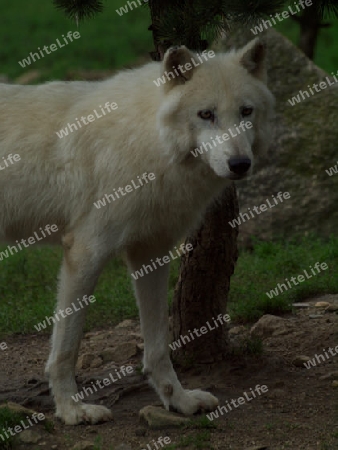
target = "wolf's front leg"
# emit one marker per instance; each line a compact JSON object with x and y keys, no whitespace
{"x":151,"y":293}
{"x":79,"y":273}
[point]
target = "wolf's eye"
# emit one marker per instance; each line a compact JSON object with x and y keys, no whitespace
{"x":246,"y":111}
{"x":206,"y":114}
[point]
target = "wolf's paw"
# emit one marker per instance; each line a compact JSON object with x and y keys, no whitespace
{"x":195,"y":400}
{"x":82,"y":413}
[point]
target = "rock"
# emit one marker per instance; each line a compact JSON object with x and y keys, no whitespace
{"x":276,"y":393}
{"x":98,"y":337}
{"x":107,"y":355}
{"x":96,"y":363}
{"x":301,"y":305}
{"x":29,"y":77}
{"x":237,"y":330}
{"x":322,"y":304}
{"x":157,"y":417}
{"x":329,"y":376}
{"x":267,"y":326}
{"x":315,"y":316}
{"x":15,"y":407}
{"x":128,"y":323}
{"x":84,"y":361}
{"x":121,"y":353}
{"x":29,"y":437}
{"x":299,"y":361}
{"x":84,"y":445}
{"x":123,"y":447}
{"x":140,"y":346}
{"x":332,"y":308}
{"x":335,"y":383}
{"x":141,"y":432}
{"x":300,"y":153}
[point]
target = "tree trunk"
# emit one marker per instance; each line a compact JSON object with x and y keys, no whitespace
{"x":201,"y":293}
{"x":310,"y":24}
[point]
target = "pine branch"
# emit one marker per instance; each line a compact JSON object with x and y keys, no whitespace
{"x":79,"y":9}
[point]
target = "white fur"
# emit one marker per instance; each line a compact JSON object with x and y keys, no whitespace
{"x":153,"y":130}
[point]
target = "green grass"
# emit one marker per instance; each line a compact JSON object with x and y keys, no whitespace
{"x":28,"y":284}
{"x":10,"y":418}
{"x":270,"y":263}
{"x":107,"y":41}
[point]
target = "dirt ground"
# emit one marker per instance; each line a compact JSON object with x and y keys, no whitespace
{"x":299,"y":410}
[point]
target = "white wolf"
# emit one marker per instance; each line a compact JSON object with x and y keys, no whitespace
{"x":153,"y":130}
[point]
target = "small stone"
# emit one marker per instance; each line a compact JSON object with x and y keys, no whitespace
{"x":96,"y":363}
{"x":237,"y":330}
{"x":267,"y":326}
{"x":84,"y":445}
{"x":315,"y":316}
{"x":84,"y":361}
{"x":29,"y":437}
{"x":29,"y":77}
{"x":140,"y":346}
{"x":329,"y":376}
{"x":335,"y":383}
{"x":322,"y":304}
{"x":15,"y":407}
{"x":332,"y":308}
{"x":121,"y":353}
{"x":123,"y":447}
{"x":301,"y":305}
{"x":128,"y":323}
{"x":98,"y":337}
{"x":299,"y":361}
{"x":157,"y":418}
{"x":141,"y":432}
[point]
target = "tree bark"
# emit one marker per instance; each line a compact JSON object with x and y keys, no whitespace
{"x":201,"y":292}
{"x":310,"y":24}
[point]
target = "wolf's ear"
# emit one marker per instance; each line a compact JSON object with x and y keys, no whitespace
{"x":252,"y":57}
{"x":174,"y":69}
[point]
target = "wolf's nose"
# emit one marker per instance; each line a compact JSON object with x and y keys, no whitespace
{"x":239,"y":165}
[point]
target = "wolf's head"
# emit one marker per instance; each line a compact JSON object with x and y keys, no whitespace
{"x":216,"y":109}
